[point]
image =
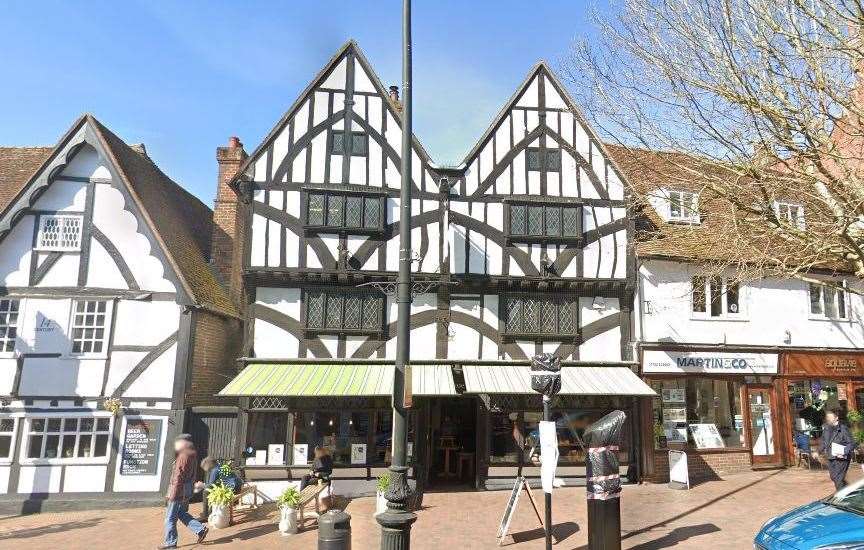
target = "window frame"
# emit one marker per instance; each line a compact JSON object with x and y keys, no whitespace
{"x":27,"y":431}
{"x":544,"y":239}
{"x":331,"y":142}
{"x":694,"y":217}
{"x":6,"y":326}
{"x":343,"y":292}
{"x":106,"y":328}
{"x":798,"y":220}
{"x":507,"y":334}
{"x":543,"y":158}
{"x":841,"y":296}
{"x":708,"y":299}
{"x":13,"y":439}
{"x":40,"y":230}
{"x":365,"y":195}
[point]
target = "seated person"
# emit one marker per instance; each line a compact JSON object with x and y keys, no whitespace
{"x":211,"y":475}
{"x":802,"y":441}
{"x":322,"y":468}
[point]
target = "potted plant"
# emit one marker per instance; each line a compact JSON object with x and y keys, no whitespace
{"x":219,"y":498}
{"x":287,"y":503}
{"x":660,"y":435}
{"x":380,"y":488}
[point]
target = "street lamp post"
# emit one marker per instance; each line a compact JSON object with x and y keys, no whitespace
{"x":397,"y":520}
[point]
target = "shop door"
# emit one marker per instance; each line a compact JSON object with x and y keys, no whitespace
{"x":762,"y":428}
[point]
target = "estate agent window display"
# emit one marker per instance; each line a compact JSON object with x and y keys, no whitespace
{"x":698,"y":412}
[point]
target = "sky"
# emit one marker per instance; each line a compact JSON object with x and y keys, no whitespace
{"x":182,"y":77}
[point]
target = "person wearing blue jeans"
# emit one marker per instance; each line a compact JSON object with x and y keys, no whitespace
{"x":180,"y":491}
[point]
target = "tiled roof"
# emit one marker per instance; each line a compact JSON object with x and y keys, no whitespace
{"x":17,"y":164}
{"x":181,"y":222}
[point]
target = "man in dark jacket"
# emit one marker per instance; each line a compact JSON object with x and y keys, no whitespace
{"x":180,"y":491}
{"x":837,"y":446}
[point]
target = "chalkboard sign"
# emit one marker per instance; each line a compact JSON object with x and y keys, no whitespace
{"x":140,"y":456}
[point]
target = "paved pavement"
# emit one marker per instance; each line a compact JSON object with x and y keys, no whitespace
{"x":716,"y":515}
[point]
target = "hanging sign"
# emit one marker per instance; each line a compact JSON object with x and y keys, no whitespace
{"x":548,"y":454}
{"x":140,"y":454}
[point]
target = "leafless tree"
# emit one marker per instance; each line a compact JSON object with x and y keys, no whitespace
{"x":752,"y":103}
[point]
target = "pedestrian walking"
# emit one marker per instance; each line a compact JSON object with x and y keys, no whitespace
{"x":837,"y":445}
{"x":180,"y":490}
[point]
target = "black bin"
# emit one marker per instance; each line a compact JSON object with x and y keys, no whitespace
{"x":334,"y":531}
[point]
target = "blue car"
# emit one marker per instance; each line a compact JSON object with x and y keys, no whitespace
{"x":834,"y":523}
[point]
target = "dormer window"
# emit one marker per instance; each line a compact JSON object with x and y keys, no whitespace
{"x":683,"y":206}
{"x":790,"y":213}
{"x":349,"y":143}
{"x":548,"y":160}
{"x":828,"y":302}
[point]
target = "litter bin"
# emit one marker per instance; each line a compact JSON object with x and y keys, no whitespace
{"x":334,"y":531}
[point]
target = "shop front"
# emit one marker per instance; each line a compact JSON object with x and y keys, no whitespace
{"x":812,"y":383}
{"x":720,"y":407}
{"x":472,"y":425}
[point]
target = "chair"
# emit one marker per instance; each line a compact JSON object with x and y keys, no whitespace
{"x":314,"y":493}
{"x":803,"y":452}
{"x":237,"y":501}
{"x":467,"y":459}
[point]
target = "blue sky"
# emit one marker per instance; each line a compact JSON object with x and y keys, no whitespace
{"x":184,"y":76}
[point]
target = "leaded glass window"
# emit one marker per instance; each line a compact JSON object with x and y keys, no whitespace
{"x":541,"y":315}
{"x":535,"y":159}
{"x":545,"y":222}
{"x":343,"y":211}
{"x":359,"y":143}
{"x":8,"y":324}
{"x":60,"y":233}
{"x":338,"y":310}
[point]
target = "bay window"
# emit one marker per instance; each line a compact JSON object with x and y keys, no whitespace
{"x":344,"y":212}
{"x":541,"y":222}
{"x":541,"y":315}
{"x":336,"y":310}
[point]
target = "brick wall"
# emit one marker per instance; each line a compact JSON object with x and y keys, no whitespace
{"x":702,"y":466}
{"x":228,"y":221}
{"x":215,"y":348}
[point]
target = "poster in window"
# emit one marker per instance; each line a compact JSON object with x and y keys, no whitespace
{"x":706,"y":436}
{"x":674,"y":415}
{"x":275,"y":454}
{"x":358,"y":453}
{"x":675,"y":433}
{"x":301,"y":454}
{"x":673,"y":395}
{"x":140,"y":453}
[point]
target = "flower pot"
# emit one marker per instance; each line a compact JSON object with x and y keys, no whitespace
{"x":287,"y":521}
{"x":220,"y":516}
{"x":380,"y":503}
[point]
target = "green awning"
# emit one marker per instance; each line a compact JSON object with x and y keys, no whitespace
{"x":575,"y":380}
{"x":335,"y":380}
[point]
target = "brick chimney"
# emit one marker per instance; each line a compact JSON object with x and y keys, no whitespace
{"x":394,"y":98}
{"x":227,"y":245}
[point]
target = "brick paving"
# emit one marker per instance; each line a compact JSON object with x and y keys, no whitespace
{"x":716,"y":515}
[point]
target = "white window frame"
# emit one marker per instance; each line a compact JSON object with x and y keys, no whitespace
{"x":780,"y":206}
{"x":63,"y":219}
{"x":725,"y":314}
{"x":822,"y":316}
{"x":687,"y":214}
{"x":13,"y":434}
{"x":106,"y":328}
{"x":26,"y":432}
{"x":4,"y":316}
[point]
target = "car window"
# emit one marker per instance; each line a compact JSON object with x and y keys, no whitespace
{"x":849,"y":498}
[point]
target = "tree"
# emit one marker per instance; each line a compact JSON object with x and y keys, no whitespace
{"x":753,"y":104}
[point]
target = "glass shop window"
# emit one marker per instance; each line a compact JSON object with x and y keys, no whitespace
{"x":702,"y":412}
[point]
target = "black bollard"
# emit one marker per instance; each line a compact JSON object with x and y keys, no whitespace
{"x":334,"y":531}
{"x":603,"y":439}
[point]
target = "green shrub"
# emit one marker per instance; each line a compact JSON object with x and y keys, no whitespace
{"x":383,"y":483}
{"x":858,"y":436}
{"x":220,"y":495}
{"x":289,"y":498}
{"x":854,"y":416}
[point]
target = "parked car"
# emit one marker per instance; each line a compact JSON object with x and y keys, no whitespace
{"x":833,"y":523}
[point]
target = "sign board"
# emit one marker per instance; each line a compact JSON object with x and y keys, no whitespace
{"x":679,"y":474}
{"x":548,"y":454}
{"x":673,"y":395}
{"x":823,"y":364}
{"x":301,"y":454}
{"x":275,"y":454}
{"x":520,"y":485}
{"x":408,"y":388}
{"x":140,"y":454}
{"x":358,"y":453}
{"x":710,"y":362}
{"x":706,"y":436}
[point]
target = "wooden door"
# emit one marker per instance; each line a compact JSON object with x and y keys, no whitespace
{"x":764,"y":443}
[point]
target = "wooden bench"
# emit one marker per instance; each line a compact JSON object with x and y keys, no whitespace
{"x":237,"y":501}
{"x":312,"y":493}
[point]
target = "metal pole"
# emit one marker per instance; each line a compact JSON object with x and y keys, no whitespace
{"x":547,"y":497}
{"x":397,"y":520}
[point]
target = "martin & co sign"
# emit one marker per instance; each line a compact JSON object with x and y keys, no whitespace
{"x":708,"y":362}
